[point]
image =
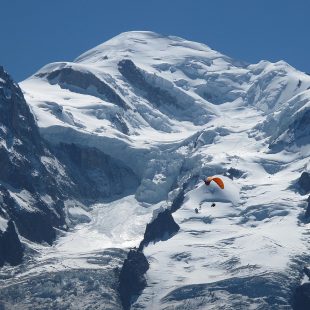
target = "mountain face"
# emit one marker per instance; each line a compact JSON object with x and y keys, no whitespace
{"x":36,"y":178}
{"x":109,"y":152}
{"x":30,"y":195}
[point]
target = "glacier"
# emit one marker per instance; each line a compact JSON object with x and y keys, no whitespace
{"x":134,"y":125}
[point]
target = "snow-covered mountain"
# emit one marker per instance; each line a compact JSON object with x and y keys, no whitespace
{"x":130,"y":129}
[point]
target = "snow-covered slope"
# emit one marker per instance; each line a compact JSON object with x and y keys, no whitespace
{"x":170,"y":112}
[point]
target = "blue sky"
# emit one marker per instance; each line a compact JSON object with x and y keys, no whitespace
{"x":36,"y":32}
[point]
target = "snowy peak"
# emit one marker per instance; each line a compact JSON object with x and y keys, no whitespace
{"x":141,"y":42}
{"x":131,"y":129}
{"x":141,"y":89}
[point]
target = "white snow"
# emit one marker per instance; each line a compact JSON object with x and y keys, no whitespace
{"x":3,"y":224}
{"x":119,"y":224}
{"x":232,"y":110}
{"x":24,"y":200}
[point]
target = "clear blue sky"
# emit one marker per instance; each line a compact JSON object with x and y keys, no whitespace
{"x":36,"y":32}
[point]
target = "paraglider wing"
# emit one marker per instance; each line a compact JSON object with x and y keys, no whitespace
{"x":217,"y":180}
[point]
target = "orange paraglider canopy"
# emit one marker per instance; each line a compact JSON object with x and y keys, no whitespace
{"x":217,"y":180}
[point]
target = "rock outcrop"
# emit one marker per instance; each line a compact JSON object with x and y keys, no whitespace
{"x":11,"y":249}
{"x":31,"y":194}
{"x":160,"y":229}
{"x":131,"y":279}
{"x":307,"y":213}
{"x":302,"y":297}
{"x":304,"y":182}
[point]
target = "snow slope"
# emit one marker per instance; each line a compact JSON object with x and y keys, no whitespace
{"x":174,"y":112}
{"x":242,"y":252}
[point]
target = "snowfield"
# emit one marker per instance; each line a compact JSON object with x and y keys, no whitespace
{"x":175,"y":112}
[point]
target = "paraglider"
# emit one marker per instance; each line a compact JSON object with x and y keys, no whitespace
{"x":217,"y":180}
{"x":215,"y":192}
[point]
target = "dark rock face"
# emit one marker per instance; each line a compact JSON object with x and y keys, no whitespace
{"x":158,"y":97}
{"x":300,"y":129}
{"x":38,"y":225}
{"x":234,"y":173}
{"x":302,"y":297}
{"x":304,"y":182}
{"x":131,"y":279}
{"x":96,"y":174}
{"x":71,"y":79}
{"x":307,"y":213}
{"x":178,"y":201}
{"x":11,"y":249}
{"x":24,"y":176}
{"x":15,"y":118}
{"x":298,"y":133}
{"x":162,"y":228}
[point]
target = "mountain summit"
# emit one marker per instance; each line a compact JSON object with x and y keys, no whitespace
{"x":134,"y":126}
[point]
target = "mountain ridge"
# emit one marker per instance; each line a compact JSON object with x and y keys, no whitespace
{"x":137,"y":123}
